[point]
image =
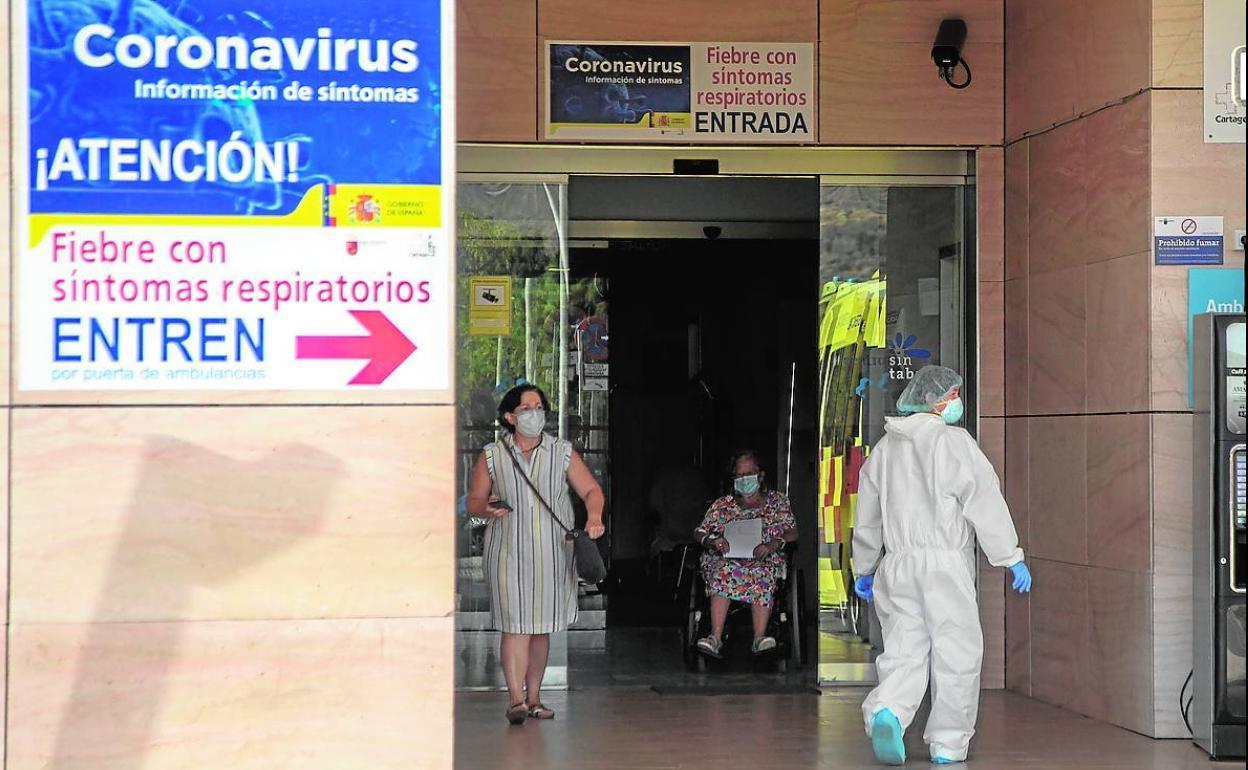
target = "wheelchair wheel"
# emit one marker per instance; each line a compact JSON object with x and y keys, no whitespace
{"x":689,"y":631}
{"x":795,"y":618}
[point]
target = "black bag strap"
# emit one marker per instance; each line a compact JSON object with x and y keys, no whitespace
{"x":520,"y":470}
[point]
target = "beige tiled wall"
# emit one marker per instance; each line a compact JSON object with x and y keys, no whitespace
{"x":1178,"y":43}
{"x":231,"y":514}
{"x":1104,"y":57}
{"x":1080,"y":653}
{"x":1059,"y":617}
{"x":1098,"y":435}
{"x":990,"y":210}
{"x":992,"y":348}
{"x":497,"y":65}
{"x":1172,"y":560}
{"x":1119,"y":689}
{"x":878,"y":86}
{"x":331,"y":694}
{"x":1057,"y":322}
{"x":990,"y":190}
{"x":1076,"y":354}
{"x":588,"y":20}
{"x":1117,"y":492}
{"x":992,"y":579}
{"x":244,"y":587}
{"x":1118,"y":334}
{"x":1117,"y":163}
{"x":4,"y":560}
{"x":1057,"y":494}
{"x":6,"y":186}
{"x":5,"y":201}
{"x":1017,"y":356}
{"x":1077,"y":431}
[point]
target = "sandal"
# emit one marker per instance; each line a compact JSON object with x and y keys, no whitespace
{"x":711,"y":645}
{"x":517,"y":714}
{"x":538,"y":711}
{"x":763,"y":644}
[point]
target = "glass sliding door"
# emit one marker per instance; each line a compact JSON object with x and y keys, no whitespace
{"x":893,"y":270}
{"x":512,"y":245}
{"x":550,"y":330}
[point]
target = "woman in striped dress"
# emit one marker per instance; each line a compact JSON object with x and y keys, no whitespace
{"x":528,"y":563}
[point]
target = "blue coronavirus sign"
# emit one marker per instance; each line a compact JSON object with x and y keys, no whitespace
{"x":244,"y":194}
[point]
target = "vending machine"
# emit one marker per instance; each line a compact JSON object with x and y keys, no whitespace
{"x":1220,"y":497}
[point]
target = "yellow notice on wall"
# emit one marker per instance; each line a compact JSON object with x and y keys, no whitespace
{"x":489,"y":306}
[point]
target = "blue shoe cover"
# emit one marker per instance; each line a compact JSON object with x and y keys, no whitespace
{"x":944,"y":761}
{"x":886,"y":738}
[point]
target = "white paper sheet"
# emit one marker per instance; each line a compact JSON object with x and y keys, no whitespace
{"x":743,"y":536}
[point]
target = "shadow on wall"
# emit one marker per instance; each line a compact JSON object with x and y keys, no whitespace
{"x":196,"y":521}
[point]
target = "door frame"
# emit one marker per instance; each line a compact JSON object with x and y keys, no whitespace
{"x":893,"y":166}
{"x":888,"y":165}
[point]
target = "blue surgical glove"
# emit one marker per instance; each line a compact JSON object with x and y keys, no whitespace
{"x":1022,"y":577}
{"x":863,"y":586}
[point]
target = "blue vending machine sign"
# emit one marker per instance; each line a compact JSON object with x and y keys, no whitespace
{"x":1210,"y":290}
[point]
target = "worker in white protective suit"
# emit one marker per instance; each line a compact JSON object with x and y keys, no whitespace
{"x":925,"y":494}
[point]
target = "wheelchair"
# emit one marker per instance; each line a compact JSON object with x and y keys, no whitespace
{"x":784,"y":625}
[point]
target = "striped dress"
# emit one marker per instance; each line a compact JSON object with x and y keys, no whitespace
{"x":528,"y":564}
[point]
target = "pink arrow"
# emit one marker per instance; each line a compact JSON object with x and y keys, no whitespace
{"x":385,"y":347}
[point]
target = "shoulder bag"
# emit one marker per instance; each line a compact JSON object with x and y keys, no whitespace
{"x":585,"y":553}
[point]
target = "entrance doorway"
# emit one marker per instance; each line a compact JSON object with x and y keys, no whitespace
{"x":812,"y":299}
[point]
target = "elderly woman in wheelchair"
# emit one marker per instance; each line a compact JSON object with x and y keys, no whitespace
{"x":752,"y":579}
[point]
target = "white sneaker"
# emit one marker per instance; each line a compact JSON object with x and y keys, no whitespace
{"x":763,"y":644}
{"x":711,"y":645}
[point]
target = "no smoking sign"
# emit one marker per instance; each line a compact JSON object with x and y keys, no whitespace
{"x":1187,"y":240}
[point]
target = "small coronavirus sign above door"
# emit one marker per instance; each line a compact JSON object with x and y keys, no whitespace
{"x":681,"y":92}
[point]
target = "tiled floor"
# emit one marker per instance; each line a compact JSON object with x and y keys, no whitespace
{"x":618,"y":727}
{"x":651,"y":657}
{"x":842,"y":648}
{"x":615,"y":717}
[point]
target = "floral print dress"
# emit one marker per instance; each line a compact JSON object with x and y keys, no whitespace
{"x":746,"y":580}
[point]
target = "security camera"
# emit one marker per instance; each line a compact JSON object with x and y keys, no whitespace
{"x":712,"y":231}
{"x":947,"y":51}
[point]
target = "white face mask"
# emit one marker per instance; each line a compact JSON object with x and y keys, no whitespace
{"x":531,"y":423}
